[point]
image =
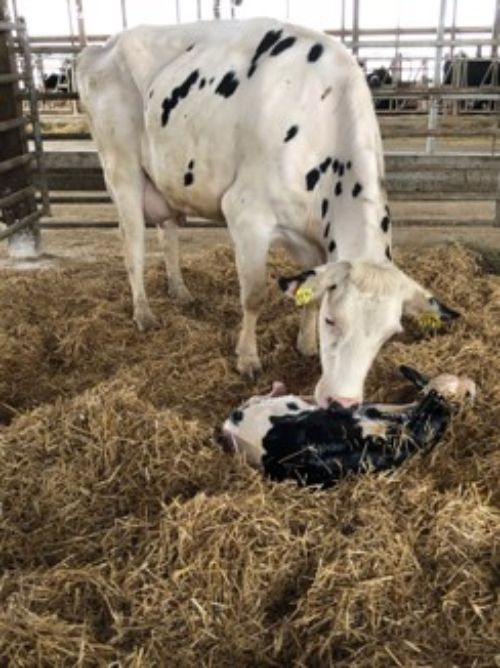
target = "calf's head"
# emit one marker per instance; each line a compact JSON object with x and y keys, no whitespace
{"x":361,"y":305}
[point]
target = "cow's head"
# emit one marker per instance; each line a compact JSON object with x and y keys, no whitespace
{"x":361,"y":308}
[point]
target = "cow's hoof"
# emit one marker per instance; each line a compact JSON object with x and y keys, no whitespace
{"x":181,"y":294}
{"x":249,"y":366}
{"x":145,"y":320}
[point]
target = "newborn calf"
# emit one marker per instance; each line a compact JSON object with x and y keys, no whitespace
{"x":289,"y":437}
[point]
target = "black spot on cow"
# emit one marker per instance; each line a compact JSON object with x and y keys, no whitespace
{"x":312,"y":178}
{"x":283,"y":45}
{"x":188,"y":179}
{"x":191,"y":165}
{"x":348,"y":164}
{"x":385,"y":223}
{"x":291,"y":132}
{"x":228,"y":84}
{"x":178,"y":94}
{"x":203,"y":82}
{"x":315,"y":53}
{"x":335,"y":166}
{"x":388,"y":211}
{"x":190,"y":47}
{"x":357,"y":189}
{"x":327,"y":231}
{"x":388,"y":253}
{"x":324,"y":208}
{"x":291,"y":405}
{"x":332,"y":246}
{"x":211,"y":80}
{"x":326,"y":92}
{"x":341,"y":169}
{"x":325,"y":164}
{"x":266,"y":43}
{"x":236,"y":416}
{"x":338,"y":188}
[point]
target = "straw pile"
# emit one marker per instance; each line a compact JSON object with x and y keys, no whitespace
{"x":127,"y":536}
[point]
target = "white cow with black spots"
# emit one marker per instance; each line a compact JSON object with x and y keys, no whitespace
{"x":268,"y":125}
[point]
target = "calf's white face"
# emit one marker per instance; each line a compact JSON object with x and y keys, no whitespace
{"x":361,"y":306}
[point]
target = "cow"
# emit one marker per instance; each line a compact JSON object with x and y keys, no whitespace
{"x":268,"y":125}
{"x":288,"y":437}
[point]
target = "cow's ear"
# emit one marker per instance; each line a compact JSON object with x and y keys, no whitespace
{"x":304,"y":287}
{"x":429,"y":311}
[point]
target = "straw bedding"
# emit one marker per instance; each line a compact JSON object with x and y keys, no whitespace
{"x":128,"y":538}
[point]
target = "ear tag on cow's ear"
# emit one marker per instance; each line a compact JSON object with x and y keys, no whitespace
{"x":429,"y":321}
{"x":303,"y":296}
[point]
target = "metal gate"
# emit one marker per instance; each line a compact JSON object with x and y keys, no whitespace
{"x":22,"y":173}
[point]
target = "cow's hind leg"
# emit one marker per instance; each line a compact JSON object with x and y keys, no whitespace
{"x":168,"y":237}
{"x":251,"y":235}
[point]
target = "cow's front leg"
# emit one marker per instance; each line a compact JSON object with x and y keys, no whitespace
{"x":251,"y":266}
{"x":251,"y":235}
{"x":307,"y":339}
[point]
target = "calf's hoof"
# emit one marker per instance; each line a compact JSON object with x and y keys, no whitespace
{"x":249,"y":366}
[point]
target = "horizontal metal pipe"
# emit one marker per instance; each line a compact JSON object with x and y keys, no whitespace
{"x":12,"y":123}
{"x":13,"y":163}
{"x":16,"y":197}
{"x":21,"y":224}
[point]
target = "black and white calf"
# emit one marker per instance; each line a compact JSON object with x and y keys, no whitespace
{"x":287,"y":437}
{"x":267,"y":125}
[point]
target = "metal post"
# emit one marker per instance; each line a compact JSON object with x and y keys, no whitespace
{"x":123,"y":4}
{"x":433,"y":110}
{"x":496,"y":31}
{"x":355,"y":26}
{"x":342,"y":21}
{"x":81,"y":23}
{"x":453,"y":28}
{"x":19,"y":212}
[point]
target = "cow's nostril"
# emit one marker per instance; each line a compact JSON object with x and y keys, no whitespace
{"x":345,"y":402}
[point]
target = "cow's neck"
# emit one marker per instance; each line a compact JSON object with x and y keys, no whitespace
{"x":362,"y":230}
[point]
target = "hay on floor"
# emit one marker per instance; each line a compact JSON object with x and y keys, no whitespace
{"x":127,"y":536}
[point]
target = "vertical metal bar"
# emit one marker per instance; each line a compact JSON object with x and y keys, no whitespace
{"x":70,"y":22}
{"x":123,"y":4}
{"x":355,"y":26}
{"x":453,"y":28}
{"x":342,"y":21}
{"x":433,"y":110}
{"x":496,"y":30}
{"x":81,"y":23}
{"x":35,"y":121}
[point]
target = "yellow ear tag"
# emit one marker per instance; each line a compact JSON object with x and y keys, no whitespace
{"x":429,"y":321}
{"x":303,"y":296}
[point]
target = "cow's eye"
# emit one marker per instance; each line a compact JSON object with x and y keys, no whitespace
{"x":332,"y":287}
